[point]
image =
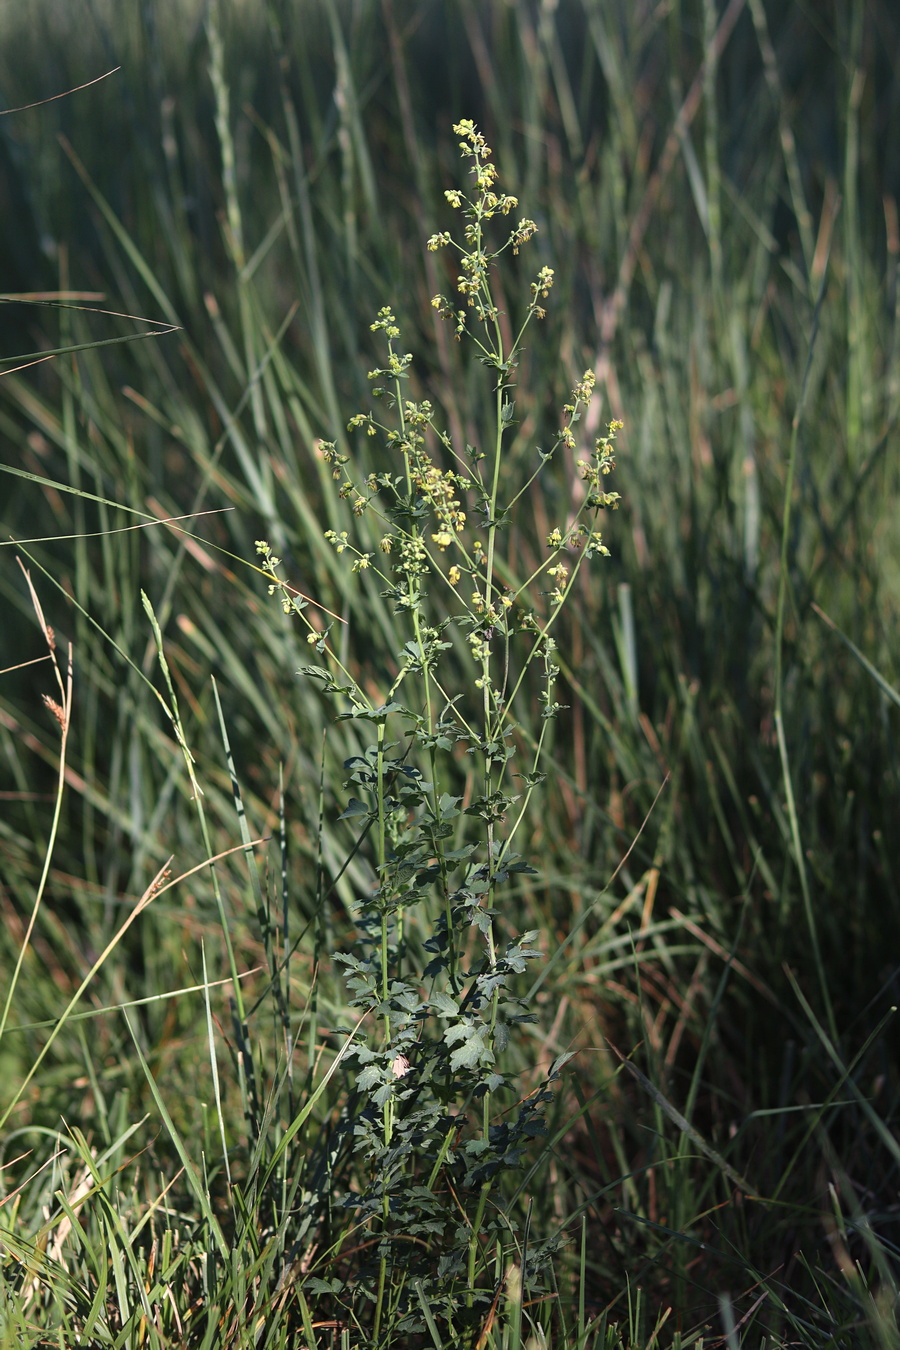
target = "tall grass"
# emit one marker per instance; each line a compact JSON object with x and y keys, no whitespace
{"x":715,"y":187}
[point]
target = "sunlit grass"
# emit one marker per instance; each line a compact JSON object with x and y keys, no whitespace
{"x":690,"y":252}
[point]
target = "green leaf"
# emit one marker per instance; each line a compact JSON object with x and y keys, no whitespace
{"x":444,"y":1005}
{"x":468,"y":1056}
{"x":354,"y":808}
{"x":560,"y":1061}
{"x":373,"y":714}
{"x":457,"y":854}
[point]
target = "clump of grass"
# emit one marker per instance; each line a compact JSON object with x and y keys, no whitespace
{"x":682,"y":164}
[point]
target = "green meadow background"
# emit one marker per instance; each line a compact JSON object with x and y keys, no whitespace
{"x":716,"y":186}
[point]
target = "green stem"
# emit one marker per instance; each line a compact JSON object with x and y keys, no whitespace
{"x":473,"y":1239}
{"x":380,"y":851}
{"x":380,"y":854}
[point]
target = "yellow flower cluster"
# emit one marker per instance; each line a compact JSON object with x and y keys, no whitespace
{"x":440,"y":489}
{"x":602,"y":463}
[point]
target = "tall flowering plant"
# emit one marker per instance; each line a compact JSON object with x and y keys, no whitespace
{"x":438,"y":1122}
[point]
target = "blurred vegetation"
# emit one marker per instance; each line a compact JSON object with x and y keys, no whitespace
{"x":716,"y":186}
